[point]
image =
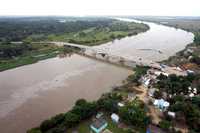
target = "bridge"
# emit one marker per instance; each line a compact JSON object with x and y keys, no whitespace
{"x":106,"y":56}
{"x":116,"y":59}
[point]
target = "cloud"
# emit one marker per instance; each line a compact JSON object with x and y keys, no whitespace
{"x":100,"y":7}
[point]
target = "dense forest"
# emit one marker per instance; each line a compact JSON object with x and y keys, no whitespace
{"x":178,"y":90}
{"x":17,"y":29}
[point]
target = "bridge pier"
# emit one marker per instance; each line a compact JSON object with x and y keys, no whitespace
{"x":99,"y":54}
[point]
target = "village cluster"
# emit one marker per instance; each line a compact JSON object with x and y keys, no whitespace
{"x":160,"y":105}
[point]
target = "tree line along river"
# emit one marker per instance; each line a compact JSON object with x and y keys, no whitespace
{"x":32,"y":93}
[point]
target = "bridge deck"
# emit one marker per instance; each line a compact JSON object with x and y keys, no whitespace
{"x":127,"y":61}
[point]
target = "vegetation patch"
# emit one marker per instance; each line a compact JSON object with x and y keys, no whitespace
{"x":15,"y":55}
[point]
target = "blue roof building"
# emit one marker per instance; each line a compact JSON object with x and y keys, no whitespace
{"x":161,"y":104}
{"x":98,"y":125}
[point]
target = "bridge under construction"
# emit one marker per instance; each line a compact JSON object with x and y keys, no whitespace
{"x":109,"y":57}
{"x":127,"y":61}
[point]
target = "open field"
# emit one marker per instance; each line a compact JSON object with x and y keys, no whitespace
{"x":98,"y":35}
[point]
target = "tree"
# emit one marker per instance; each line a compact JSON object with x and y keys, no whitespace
{"x":108,"y":104}
{"x":109,"y":101}
{"x":197,"y":38}
{"x":84,"y":109}
{"x":112,"y":36}
{"x":139,"y":71}
{"x":51,"y":123}
{"x":71,"y":119}
{"x":82,"y":34}
{"x":80,"y":102}
{"x":46,"y":125}
{"x":195,"y":59}
{"x":196,"y":101}
{"x":134,"y":114}
{"x":161,"y":77}
{"x":164,"y":124}
{"x":157,"y":94}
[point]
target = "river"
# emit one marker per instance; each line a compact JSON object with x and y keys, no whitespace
{"x":32,"y":93}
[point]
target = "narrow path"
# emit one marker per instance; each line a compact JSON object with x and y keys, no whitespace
{"x":153,"y":112}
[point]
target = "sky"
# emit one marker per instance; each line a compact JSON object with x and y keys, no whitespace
{"x":100,"y":7}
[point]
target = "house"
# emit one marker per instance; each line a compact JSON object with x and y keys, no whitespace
{"x":195,"y":90}
{"x":98,"y":125}
{"x":179,"y":69}
{"x":120,"y":104}
{"x":161,"y":104}
{"x":163,"y":66}
{"x":171,"y":114}
{"x":99,"y":115}
{"x":115,"y":118}
{"x":190,"y":72}
{"x":190,"y":51}
{"x":192,"y":91}
{"x":158,"y":73}
{"x":147,"y":82}
{"x":191,"y":95}
{"x":151,"y":92}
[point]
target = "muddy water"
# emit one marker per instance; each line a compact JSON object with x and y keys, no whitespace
{"x":156,"y":44}
{"x":32,"y":93}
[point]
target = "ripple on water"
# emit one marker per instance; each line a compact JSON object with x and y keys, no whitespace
{"x":21,"y":96}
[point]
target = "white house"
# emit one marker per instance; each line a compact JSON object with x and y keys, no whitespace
{"x":120,"y":104}
{"x":191,"y":95}
{"x":151,"y":92}
{"x":190,"y":72}
{"x":147,"y":82}
{"x":115,"y":118}
{"x":171,"y":114}
{"x":161,"y":104}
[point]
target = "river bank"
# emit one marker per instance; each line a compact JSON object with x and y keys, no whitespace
{"x":189,"y":57}
{"x":10,"y":57}
{"x":102,"y":34}
{"x":37,"y":80}
{"x":29,"y":103}
{"x":30,"y":53}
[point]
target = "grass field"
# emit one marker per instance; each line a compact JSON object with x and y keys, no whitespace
{"x":98,"y":35}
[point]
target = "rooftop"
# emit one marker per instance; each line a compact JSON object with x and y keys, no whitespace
{"x":98,"y":123}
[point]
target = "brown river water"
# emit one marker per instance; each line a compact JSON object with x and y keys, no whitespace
{"x":32,"y":93}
